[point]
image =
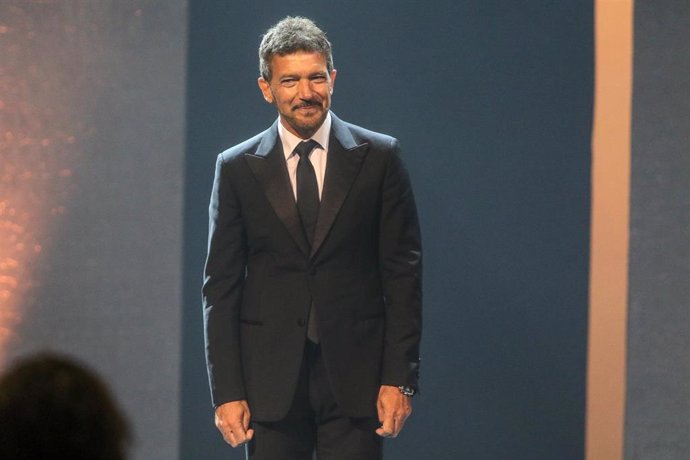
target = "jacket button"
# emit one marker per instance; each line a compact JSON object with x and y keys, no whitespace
{"x":300,"y":322}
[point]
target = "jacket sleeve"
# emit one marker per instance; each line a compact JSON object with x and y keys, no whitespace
{"x":224,"y":275}
{"x":400,"y":261}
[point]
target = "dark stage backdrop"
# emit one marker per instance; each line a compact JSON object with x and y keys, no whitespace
{"x":492,"y":101}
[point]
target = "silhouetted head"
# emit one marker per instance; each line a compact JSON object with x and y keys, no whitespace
{"x":53,"y":408}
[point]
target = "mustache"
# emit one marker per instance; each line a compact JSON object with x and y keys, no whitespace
{"x":310,"y":103}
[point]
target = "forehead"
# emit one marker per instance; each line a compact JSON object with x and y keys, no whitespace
{"x":299,"y":62}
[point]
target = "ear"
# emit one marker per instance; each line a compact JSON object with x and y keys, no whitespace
{"x":333,"y":74}
{"x":265,"y":88}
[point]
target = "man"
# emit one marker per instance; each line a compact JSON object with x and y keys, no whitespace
{"x":312,"y":291}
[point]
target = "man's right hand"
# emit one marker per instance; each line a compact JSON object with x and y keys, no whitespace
{"x":232,"y":419}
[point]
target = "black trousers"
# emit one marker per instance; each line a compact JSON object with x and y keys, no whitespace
{"x":314,"y":425}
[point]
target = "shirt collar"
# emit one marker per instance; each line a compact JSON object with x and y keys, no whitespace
{"x":290,"y":141}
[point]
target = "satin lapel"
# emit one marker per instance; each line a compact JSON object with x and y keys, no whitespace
{"x":268,"y":166}
{"x":345,"y":159}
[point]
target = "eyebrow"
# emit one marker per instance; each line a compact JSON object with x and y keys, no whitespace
{"x":313,"y":74}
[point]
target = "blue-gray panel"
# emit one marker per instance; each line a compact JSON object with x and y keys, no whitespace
{"x":658,"y":390}
{"x":94,"y":93}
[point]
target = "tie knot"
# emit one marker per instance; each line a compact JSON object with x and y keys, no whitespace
{"x":304,"y":148}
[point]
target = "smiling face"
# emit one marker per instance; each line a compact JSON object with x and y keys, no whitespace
{"x":301,"y":89}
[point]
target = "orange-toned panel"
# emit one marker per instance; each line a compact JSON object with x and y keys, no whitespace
{"x":610,"y":230}
{"x":37,"y":149}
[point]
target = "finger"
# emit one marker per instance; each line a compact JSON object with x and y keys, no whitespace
{"x":233,"y":431}
{"x":399,"y":423}
{"x":387,"y":428}
{"x":225,"y":431}
{"x":231,"y":439}
{"x":238,"y":432}
{"x":236,"y":439}
{"x":394,"y":430}
{"x":228,"y":435}
{"x":402,"y":417}
{"x":250,"y":434}
{"x":246,"y":416}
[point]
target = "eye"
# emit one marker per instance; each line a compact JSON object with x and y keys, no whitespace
{"x":318,"y":79}
{"x":288,"y":82}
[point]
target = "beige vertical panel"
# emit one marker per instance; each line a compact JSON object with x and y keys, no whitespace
{"x":610,"y":230}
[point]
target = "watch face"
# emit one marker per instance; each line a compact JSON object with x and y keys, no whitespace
{"x":407,"y":391}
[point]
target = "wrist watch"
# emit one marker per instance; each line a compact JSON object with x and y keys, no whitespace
{"x":407,"y":391}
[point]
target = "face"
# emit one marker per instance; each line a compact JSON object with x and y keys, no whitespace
{"x":301,"y":88}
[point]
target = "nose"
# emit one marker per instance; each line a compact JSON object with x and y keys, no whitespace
{"x":304,"y":89}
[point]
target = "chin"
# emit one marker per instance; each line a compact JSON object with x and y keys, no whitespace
{"x":309,"y":126}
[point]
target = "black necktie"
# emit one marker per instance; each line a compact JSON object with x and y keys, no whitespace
{"x":308,"y":206}
{"x":307,"y":188}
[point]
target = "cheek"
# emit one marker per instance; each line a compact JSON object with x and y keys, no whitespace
{"x":283,"y":99}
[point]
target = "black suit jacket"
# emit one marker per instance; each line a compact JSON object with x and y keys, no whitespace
{"x":362,"y":273}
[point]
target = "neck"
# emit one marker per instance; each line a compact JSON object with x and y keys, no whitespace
{"x":302,"y":133}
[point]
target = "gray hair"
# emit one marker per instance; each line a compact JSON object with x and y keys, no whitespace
{"x":290,"y":35}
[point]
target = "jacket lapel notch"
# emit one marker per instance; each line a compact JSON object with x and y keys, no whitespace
{"x":268,"y":166}
{"x":345,"y":159}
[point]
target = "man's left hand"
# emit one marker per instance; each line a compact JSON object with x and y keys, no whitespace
{"x":393,"y":409}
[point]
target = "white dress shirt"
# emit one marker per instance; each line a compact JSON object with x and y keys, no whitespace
{"x":318,"y":156}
